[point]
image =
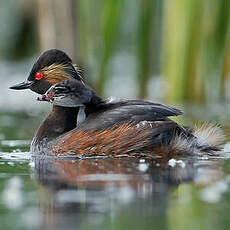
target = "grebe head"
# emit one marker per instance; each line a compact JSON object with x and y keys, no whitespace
{"x":51,"y":67}
{"x":68,"y":93}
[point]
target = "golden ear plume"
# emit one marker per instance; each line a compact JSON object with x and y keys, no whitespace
{"x":56,"y":73}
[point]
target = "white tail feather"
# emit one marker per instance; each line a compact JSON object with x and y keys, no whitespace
{"x":207,"y":137}
{"x":209,"y":134}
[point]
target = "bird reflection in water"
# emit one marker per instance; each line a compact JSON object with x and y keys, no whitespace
{"x":100,"y":192}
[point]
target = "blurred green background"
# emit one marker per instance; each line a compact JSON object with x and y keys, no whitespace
{"x":178,"y":49}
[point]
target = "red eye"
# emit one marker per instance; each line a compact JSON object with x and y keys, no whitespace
{"x":38,"y":75}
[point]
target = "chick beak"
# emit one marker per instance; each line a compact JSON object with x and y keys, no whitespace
{"x":24,"y":85}
{"x":46,"y":97}
{"x":43,"y":98}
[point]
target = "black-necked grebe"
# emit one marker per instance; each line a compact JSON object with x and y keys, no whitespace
{"x":82,"y":123}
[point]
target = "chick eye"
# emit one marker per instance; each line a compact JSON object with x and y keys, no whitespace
{"x":38,"y":76}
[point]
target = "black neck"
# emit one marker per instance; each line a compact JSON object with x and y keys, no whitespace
{"x":58,"y":122}
{"x":63,"y":119}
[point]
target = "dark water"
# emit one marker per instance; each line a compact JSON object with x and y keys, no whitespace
{"x":122,"y":193}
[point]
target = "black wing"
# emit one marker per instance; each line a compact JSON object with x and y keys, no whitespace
{"x":109,"y":114}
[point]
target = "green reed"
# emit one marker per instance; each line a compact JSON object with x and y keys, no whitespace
{"x":185,"y":42}
{"x":194,"y":42}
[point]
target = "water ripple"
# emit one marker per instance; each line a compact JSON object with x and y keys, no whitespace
{"x":15,"y":156}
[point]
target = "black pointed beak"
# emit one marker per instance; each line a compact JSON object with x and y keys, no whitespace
{"x":24,"y":85}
